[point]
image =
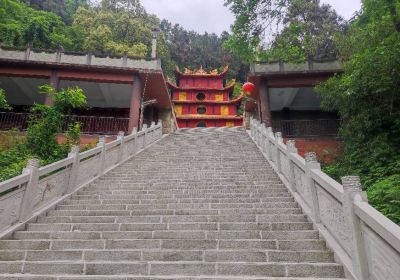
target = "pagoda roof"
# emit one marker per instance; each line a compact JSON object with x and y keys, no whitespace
{"x":200,"y":72}
{"x":174,"y":86}
{"x":208,"y":117}
{"x":233,"y":101}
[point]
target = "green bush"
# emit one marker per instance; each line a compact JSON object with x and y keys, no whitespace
{"x":47,"y":122}
{"x":385,"y":196}
{"x":41,"y":137}
{"x":367,"y":97}
{"x":11,"y":138}
{"x":3,"y":102}
{"x":12,"y":161}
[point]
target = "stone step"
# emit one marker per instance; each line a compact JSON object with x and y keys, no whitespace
{"x":173,"y":268}
{"x":169,"y":244}
{"x":131,"y":224}
{"x":168,"y":255}
{"x":268,"y":206}
{"x":292,"y":214}
{"x":182,"y":196}
{"x":243,"y":234}
{"x":144,"y":190}
{"x":182,"y":200}
{"x":153,"y":277}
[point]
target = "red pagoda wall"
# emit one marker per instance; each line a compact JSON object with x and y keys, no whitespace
{"x":220,"y":111}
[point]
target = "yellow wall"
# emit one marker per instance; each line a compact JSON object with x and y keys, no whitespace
{"x":225,"y":110}
{"x":178,"y":110}
{"x":230,"y":124}
{"x":182,"y":96}
{"x":219,"y":97}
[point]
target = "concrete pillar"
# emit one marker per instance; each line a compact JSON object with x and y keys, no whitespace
{"x":55,"y":83}
{"x":136,"y":96}
{"x":264,"y":104}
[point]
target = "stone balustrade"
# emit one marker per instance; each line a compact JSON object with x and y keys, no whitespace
{"x":83,"y":59}
{"x":363,"y":240}
{"x":39,"y":189}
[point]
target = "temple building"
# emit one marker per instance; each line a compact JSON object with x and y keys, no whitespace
{"x":202,"y":99}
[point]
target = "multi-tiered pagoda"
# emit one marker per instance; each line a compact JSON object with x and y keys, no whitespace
{"x":202,"y":99}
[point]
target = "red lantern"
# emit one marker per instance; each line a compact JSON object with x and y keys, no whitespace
{"x":248,"y":87}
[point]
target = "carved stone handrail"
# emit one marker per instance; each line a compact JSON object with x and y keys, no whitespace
{"x":363,"y":240}
{"x":40,"y":188}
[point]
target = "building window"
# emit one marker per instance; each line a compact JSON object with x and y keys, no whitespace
{"x":201,"y":110}
{"x":201,"y":124}
{"x":201,"y":96}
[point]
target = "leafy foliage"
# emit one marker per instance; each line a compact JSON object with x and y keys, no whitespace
{"x":304,"y":29}
{"x":385,"y":196}
{"x":308,"y":33}
{"x":118,"y":27}
{"x":47,"y":121}
{"x":3,"y":102}
{"x":192,"y":50}
{"x":253,"y":18}
{"x":11,"y":138}
{"x":41,"y":137}
{"x":20,"y":25}
{"x":367,"y":98}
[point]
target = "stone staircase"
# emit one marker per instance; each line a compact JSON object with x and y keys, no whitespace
{"x":199,"y":204}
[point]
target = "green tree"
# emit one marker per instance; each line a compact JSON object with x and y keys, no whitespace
{"x":367,"y":98}
{"x":115,"y":29}
{"x":3,"y":101}
{"x":63,"y":8}
{"x":20,"y":25}
{"x":253,"y":19}
{"x":309,"y":31}
{"x":192,"y":50}
{"x":47,"y":121}
{"x":298,"y":29}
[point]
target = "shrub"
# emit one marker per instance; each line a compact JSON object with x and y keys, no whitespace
{"x":41,"y":137}
{"x":47,"y":122}
{"x":3,"y":102}
{"x":385,"y":196}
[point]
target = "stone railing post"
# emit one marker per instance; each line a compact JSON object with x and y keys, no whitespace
{"x":279,"y":141}
{"x":160,"y":130}
{"x":256,"y":131}
{"x":145,"y":136}
{"x":269,"y":144}
{"x":252,"y":127}
{"x":258,"y":134}
{"x":102,"y":162}
{"x":152,"y":132}
{"x":26,"y":210}
{"x":120,"y":138}
{"x":312,"y":163}
{"x":353,"y":192}
{"x":264,"y":136}
{"x":291,"y":149}
{"x":135,"y":138}
{"x":74,"y":154}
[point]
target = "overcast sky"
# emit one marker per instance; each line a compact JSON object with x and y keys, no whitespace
{"x":212,"y":16}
